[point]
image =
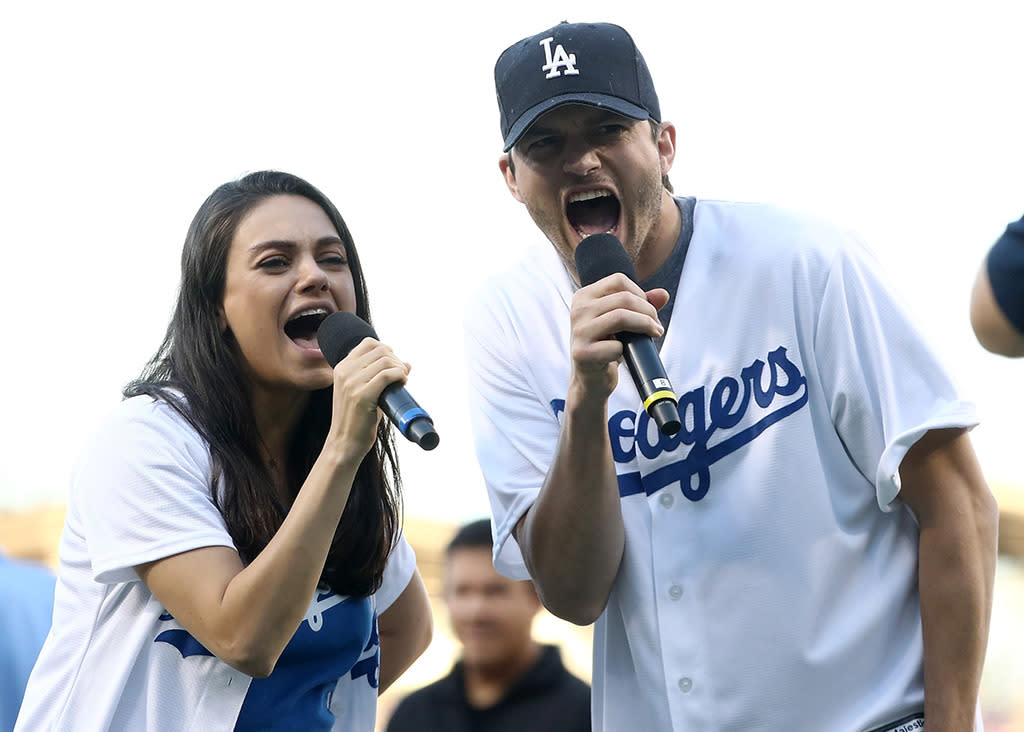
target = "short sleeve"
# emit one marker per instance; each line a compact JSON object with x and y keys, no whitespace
{"x":141,"y":491}
{"x":1006,"y":273}
{"x":397,"y":572}
{"x":514,"y":431}
{"x":884,"y":384}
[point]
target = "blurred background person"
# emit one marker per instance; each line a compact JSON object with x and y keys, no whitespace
{"x":26,"y":607}
{"x":997,"y":301}
{"x":505,"y":680}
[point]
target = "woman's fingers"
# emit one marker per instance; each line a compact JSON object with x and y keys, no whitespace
{"x":359,"y":380}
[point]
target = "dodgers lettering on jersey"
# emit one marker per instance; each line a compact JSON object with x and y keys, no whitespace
{"x":338,"y":636}
{"x":368,"y":665}
{"x":778,"y":388}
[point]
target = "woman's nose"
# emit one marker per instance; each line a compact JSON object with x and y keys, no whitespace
{"x":312,"y":277}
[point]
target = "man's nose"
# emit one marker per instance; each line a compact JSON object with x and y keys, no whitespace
{"x":477,"y":607}
{"x":581,"y":158}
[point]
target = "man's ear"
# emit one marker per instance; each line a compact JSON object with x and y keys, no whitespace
{"x":666,"y":146}
{"x":505,"y":164}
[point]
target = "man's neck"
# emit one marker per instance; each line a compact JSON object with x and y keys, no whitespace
{"x":486,"y":685}
{"x":662,"y":238}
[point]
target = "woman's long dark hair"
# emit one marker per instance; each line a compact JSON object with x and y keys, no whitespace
{"x":200,"y":362}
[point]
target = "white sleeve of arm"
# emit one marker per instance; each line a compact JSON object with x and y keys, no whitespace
{"x":885,"y":385}
{"x":397,"y":573}
{"x":514,"y":431}
{"x":142,"y":490}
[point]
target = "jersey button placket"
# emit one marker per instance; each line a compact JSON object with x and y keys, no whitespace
{"x":674,"y":535}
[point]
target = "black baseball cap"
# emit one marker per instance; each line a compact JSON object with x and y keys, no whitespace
{"x":572,"y":63}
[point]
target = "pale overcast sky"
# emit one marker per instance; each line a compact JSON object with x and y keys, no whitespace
{"x":902,"y":120}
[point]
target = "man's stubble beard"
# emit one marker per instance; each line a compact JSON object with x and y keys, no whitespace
{"x":646,"y":210}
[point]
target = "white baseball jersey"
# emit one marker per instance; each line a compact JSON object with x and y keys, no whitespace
{"x":769,"y":578}
{"x":116,"y":660}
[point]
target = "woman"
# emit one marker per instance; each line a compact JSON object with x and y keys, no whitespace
{"x":232,"y":540}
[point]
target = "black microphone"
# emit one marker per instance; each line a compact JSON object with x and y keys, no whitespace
{"x":340,"y":333}
{"x":598,"y":256}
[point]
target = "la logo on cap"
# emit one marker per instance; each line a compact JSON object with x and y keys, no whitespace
{"x":557,"y":60}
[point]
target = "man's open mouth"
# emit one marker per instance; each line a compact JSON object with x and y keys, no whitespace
{"x":593,"y":212}
{"x":302,"y":327}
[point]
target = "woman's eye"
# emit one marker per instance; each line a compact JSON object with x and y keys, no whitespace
{"x":273,"y":263}
{"x":334,"y":260}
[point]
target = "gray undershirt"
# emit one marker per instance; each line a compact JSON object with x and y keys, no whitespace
{"x":667,"y":276}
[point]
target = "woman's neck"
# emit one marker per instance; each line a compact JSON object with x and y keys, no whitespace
{"x":277,"y":414}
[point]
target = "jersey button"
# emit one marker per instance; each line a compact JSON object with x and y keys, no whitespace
{"x":685,"y":684}
{"x":667,"y":500}
{"x":675,"y":592}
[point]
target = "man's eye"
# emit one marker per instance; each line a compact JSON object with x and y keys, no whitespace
{"x":542,"y":144}
{"x":609,"y":130}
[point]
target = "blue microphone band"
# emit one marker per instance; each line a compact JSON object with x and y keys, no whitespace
{"x":337,"y":335}
{"x":408,"y":416}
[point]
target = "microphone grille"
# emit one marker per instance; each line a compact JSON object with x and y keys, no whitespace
{"x":600,"y":255}
{"x":340,"y":333}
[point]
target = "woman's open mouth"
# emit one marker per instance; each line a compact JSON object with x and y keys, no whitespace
{"x":301,"y":328}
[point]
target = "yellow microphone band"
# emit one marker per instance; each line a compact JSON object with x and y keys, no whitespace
{"x":658,"y":396}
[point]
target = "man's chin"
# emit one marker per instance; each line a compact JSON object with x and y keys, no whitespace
{"x":484,"y":660}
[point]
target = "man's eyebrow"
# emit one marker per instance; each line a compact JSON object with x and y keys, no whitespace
{"x":599,"y":116}
{"x":538,"y":131}
{"x":607,"y":115}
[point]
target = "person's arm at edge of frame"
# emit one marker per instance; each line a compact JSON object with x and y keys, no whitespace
{"x":943,"y":484}
{"x":992,"y":328}
{"x":573,"y":536}
{"x":405,"y":630}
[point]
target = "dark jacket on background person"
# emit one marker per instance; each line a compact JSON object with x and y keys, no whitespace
{"x":547,"y":699}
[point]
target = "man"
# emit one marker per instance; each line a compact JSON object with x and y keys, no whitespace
{"x":505,"y":680}
{"x":26,"y":609}
{"x":815,"y":548}
{"x":997,"y":301}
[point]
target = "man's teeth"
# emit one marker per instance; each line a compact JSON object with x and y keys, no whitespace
{"x":587,"y":195}
{"x":584,"y":235}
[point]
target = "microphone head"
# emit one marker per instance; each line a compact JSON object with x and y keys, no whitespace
{"x":340,"y":333}
{"x":600,"y":255}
